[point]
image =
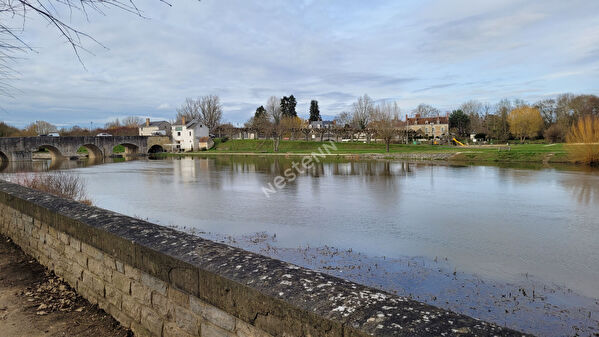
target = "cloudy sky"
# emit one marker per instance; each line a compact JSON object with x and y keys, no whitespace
{"x":437,"y":52}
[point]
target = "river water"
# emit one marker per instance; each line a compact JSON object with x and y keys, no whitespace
{"x":517,"y":246}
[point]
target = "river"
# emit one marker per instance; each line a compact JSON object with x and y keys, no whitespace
{"x":517,"y":246}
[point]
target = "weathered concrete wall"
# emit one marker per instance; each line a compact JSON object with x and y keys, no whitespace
{"x":20,"y":148}
{"x":161,"y":282}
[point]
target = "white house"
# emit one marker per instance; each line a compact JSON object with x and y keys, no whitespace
{"x":189,"y":136}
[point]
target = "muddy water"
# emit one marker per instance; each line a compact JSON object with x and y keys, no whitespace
{"x":516,"y":246}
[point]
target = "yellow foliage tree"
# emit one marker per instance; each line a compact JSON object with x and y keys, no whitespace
{"x":583,"y":140}
{"x":291,"y":126}
{"x":525,"y":122}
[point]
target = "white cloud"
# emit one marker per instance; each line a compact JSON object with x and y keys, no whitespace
{"x":438,"y":52}
{"x":163,"y":106}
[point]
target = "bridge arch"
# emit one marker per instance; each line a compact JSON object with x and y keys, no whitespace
{"x":3,"y":161}
{"x":130,"y":148}
{"x":156,"y":149}
{"x":54,"y":152}
{"x":93,"y":151}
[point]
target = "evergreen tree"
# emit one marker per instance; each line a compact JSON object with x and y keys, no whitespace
{"x":292,"y":104}
{"x":288,"y":106}
{"x":284,"y":105}
{"x":260,"y":112}
{"x":459,"y":121}
{"x":314,"y":111}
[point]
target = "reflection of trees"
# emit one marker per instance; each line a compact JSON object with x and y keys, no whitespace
{"x":584,"y":187}
{"x":375,"y":172}
{"x":372,"y":169}
{"x":277,"y":165}
{"x":517,"y":175}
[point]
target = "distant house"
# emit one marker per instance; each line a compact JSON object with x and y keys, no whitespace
{"x":433,"y":127}
{"x":158,"y":128}
{"x":189,"y":136}
{"x":322,"y":124}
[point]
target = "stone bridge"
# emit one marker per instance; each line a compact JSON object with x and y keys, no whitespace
{"x":21,"y":148}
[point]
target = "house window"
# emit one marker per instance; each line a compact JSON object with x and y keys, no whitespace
{"x":179,"y":133}
{"x":190,"y":133}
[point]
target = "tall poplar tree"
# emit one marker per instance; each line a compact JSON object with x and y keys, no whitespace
{"x":314,"y":111}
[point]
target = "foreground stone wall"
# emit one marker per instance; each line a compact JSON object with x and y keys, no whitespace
{"x":160,"y":282}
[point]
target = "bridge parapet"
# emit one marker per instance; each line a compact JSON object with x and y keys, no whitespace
{"x":21,"y":148}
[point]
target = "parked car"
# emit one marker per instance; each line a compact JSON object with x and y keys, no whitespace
{"x":103,"y":134}
{"x":51,"y":134}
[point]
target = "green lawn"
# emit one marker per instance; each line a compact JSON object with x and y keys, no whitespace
{"x":498,"y":153}
{"x":299,"y":146}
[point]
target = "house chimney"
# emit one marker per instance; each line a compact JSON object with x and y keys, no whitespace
{"x":147,"y":122}
{"x":183,"y":120}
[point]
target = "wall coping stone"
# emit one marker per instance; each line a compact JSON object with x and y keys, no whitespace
{"x":275,"y":296}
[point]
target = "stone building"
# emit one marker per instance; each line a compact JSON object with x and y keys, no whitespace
{"x":432,"y":127}
{"x":156,"y":128}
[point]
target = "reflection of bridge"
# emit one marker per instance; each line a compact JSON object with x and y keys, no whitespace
{"x":15,"y":149}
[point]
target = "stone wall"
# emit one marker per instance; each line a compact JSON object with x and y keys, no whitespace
{"x":21,"y":148}
{"x":161,"y":282}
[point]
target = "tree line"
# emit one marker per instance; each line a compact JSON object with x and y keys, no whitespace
{"x":127,"y":126}
{"x":550,"y":118}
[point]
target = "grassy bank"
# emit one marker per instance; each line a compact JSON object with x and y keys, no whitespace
{"x":553,"y":153}
{"x":298,"y":146}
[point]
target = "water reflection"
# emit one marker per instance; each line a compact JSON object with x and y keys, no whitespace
{"x":41,"y":165}
{"x":583,"y":187}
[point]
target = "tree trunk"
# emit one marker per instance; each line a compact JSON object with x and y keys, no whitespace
{"x":276,"y":143}
{"x":388,"y":141}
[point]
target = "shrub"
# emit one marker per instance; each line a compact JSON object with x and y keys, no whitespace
{"x":554,"y":133}
{"x":60,"y":184}
{"x":583,"y":140}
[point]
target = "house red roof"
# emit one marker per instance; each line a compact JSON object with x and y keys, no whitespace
{"x":417,"y":120}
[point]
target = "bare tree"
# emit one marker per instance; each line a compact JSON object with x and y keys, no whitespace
{"x":55,"y":13}
{"x":362,"y":113}
{"x":42,"y":127}
{"x":116,"y":123}
{"x":474,"y":110}
{"x":383,"y":119}
{"x":425,"y":110}
{"x":211,"y":111}
{"x":274,"y":112}
{"x":132,"y":121}
{"x":190,"y":109}
{"x":343,"y":119}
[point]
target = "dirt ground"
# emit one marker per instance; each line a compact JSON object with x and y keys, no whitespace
{"x":35,"y":302}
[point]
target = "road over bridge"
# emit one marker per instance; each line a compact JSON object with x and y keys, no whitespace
{"x":21,"y":148}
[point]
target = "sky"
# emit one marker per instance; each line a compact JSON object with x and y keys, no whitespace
{"x":442,"y":53}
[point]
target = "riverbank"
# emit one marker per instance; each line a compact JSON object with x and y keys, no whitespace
{"x":518,"y":153}
{"x":34,"y":302}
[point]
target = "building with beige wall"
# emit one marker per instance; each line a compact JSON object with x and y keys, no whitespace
{"x":156,"y":128}
{"x":434,"y":127}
